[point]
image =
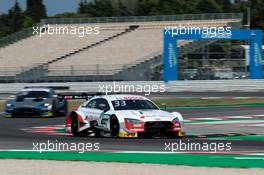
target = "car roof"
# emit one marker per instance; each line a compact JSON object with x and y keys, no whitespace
{"x":113,"y":97}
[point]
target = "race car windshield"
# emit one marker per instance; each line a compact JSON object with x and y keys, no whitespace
{"x":133,"y":105}
{"x":34,"y":94}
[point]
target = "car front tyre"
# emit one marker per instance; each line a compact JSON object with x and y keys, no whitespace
{"x":114,"y":126}
{"x":75,"y":126}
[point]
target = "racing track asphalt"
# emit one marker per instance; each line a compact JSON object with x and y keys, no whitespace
{"x":12,"y":137}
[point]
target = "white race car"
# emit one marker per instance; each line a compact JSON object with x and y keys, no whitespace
{"x":123,"y":116}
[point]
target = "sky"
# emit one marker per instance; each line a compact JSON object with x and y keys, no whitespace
{"x":53,"y":6}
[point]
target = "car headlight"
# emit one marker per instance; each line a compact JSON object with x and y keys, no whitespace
{"x":48,"y":106}
{"x":133,"y":121}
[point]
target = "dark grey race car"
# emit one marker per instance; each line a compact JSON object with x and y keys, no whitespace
{"x":36,"y":102}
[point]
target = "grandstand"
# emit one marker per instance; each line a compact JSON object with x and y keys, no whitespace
{"x":121,"y":47}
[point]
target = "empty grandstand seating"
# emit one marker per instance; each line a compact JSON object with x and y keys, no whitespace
{"x":38,"y":50}
{"x":110,"y":55}
{"x":139,"y":44}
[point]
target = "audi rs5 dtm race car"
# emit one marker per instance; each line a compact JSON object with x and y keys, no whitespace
{"x":123,"y":116}
{"x":36,"y":102}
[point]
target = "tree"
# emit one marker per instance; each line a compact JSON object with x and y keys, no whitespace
{"x":208,"y":6}
{"x":36,"y":10}
{"x":240,"y":7}
{"x":97,"y":8}
{"x":5,"y":28}
{"x":189,"y":7}
{"x":147,"y":7}
{"x":168,"y":8}
{"x":28,"y":22}
{"x":16,"y":17}
{"x":125,"y":7}
{"x":257,"y":8}
{"x":82,"y":6}
{"x":225,"y":5}
{"x":122,"y":9}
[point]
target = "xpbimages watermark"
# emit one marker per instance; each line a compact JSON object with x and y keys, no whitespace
{"x":192,"y":146}
{"x":80,"y":31}
{"x":79,"y":147}
{"x":205,"y":32}
{"x":147,"y":89}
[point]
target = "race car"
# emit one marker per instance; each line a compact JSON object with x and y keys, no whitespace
{"x":36,"y":102}
{"x":123,"y":116}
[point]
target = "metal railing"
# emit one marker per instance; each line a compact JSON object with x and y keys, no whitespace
{"x":122,"y":19}
{"x":84,"y":70}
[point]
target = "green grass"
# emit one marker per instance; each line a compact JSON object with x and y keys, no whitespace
{"x":209,"y":160}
